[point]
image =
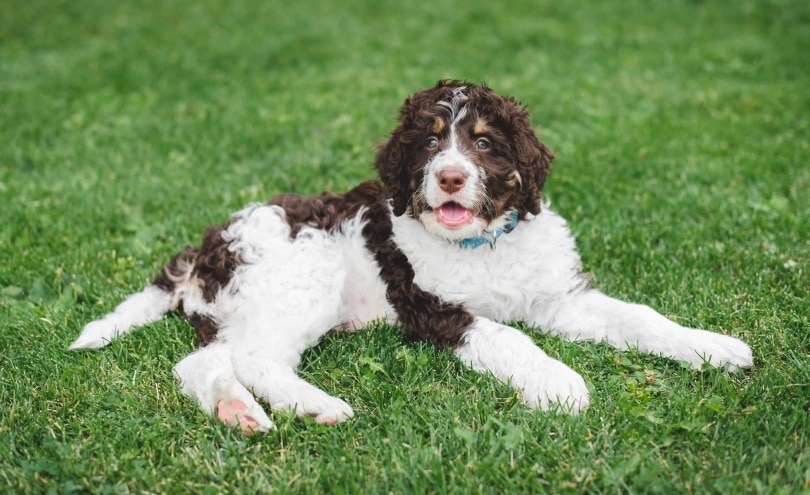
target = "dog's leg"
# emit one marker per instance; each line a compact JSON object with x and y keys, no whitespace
{"x":275,"y":381}
{"x":138,"y":309}
{"x":591,"y":315}
{"x":512,"y":357}
{"x":208,"y":376}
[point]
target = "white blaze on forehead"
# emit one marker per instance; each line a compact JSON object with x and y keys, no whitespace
{"x":458,"y":110}
{"x":456,"y":105}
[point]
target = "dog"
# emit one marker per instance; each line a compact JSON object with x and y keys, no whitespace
{"x":451,"y":240}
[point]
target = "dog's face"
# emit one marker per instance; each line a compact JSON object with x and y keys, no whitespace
{"x":461,"y":159}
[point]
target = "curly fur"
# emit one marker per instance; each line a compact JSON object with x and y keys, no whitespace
{"x":461,"y":163}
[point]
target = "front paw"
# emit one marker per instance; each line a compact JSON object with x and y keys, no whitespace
{"x":719,"y":350}
{"x":553,"y":385}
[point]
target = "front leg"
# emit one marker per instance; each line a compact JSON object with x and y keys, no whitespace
{"x":480,"y":343}
{"x":512,"y":357}
{"x":591,"y":315}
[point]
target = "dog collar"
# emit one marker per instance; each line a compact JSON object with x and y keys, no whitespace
{"x":487,"y":237}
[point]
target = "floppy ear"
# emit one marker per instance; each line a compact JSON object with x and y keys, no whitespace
{"x":535,"y":159}
{"x":395,"y":162}
{"x":392,"y":168}
{"x":533,"y":164}
{"x":392,"y":158}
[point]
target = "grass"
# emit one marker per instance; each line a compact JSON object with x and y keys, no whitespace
{"x":681,"y":129}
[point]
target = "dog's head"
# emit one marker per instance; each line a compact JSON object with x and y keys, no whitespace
{"x":462,"y":159}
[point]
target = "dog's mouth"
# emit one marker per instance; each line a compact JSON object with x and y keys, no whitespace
{"x":453,"y":216}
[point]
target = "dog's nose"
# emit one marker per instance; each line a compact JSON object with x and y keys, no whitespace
{"x":452,"y":179}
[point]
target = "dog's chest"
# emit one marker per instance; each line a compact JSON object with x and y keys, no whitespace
{"x":531,"y":265}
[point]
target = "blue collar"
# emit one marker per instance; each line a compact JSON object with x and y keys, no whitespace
{"x":490,"y":237}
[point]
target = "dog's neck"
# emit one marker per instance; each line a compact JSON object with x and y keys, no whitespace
{"x":489,"y":237}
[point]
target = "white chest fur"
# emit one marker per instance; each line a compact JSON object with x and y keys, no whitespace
{"x":535,"y":263}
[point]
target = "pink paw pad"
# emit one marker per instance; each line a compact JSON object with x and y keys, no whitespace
{"x":326,"y":421}
{"x":232,"y":415}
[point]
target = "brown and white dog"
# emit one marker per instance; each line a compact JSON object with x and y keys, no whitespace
{"x":451,"y":240}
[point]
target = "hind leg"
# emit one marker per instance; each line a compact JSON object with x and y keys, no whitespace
{"x":284,"y":297}
{"x":275,"y":381}
{"x":138,"y":309}
{"x":288,"y":299}
{"x":208,"y":376}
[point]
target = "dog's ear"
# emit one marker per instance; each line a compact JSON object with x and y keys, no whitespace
{"x":534,"y":164}
{"x":398,"y":160}
{"x":392,"y":168}
{"x":393,"y":159}
{"x":532,"y":159}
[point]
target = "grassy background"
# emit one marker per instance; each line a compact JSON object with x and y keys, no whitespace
{"x":681,"y":129}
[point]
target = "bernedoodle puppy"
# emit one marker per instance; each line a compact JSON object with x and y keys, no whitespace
{"x":451,"y":240}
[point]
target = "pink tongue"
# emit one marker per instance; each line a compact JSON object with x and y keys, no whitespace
{"x":452,"y":212}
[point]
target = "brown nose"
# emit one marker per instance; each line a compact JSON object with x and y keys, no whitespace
{"x":451,"y":180}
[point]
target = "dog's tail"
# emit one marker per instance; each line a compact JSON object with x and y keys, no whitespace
{"x":138,"y":309}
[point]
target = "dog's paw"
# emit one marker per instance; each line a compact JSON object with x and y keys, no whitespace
{"x":513,"y":358}
{"x":95,"y":335}
{"x":328,"y":411}
{"x":718,"y":350}
{"x":249,"y":417}
{"x":553,"y":385}
{"x":307,"y":400}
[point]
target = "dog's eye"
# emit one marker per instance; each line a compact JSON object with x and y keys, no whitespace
{"x":432,"y":143}
{"x":482,"y":144}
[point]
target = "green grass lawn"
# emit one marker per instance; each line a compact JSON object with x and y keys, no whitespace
{"x":682,"y":131}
